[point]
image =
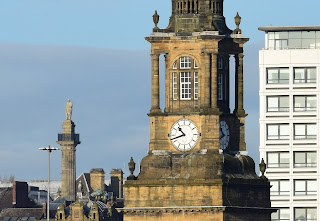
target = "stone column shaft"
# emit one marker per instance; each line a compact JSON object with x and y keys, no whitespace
{"x":155,"y":87}
{"x":240,"y":82}
{"x":239,"y":85}
{"x":236,"y":84}
{"x":214,"y":77}
{"x":68,"y":172}
{"x":206,"y":81}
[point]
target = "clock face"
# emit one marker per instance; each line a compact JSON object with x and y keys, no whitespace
{"x":224,"y":134}
{"x":184,"y":134}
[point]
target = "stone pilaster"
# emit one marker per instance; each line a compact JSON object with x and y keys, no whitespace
{"x":155,"y":87}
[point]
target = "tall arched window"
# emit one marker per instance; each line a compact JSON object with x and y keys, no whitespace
{"x":185,"y":79}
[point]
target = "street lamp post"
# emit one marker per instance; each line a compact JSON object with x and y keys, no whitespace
{"x":49,"y":149}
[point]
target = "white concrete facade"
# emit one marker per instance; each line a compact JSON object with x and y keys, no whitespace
{"x":289,"y":121}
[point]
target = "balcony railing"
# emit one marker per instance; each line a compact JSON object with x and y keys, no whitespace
{"x":69,"y":137}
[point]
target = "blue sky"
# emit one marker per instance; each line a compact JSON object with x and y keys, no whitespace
{"x":94,"y":53}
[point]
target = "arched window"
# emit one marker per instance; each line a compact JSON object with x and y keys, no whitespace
{"x":185,"y":79}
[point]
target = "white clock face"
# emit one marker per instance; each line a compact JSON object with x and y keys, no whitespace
{"x":184,"y":134}
{"x":224,"y":134}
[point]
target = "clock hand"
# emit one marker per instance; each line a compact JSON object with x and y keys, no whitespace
{"x":181,"y":131}
{"x":222,"y":132}
{"x":178,"y":137}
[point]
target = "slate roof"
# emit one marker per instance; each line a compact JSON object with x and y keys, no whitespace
{"x":21,"y":212}
{"x":5,"y":197}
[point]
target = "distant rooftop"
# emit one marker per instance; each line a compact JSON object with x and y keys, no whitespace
{"x":290,"y":28}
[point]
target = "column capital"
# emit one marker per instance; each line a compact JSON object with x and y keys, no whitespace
{"x":154,"y":55}
{"x":240,"y":55}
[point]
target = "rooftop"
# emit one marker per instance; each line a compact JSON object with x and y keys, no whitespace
{"x":290,"y":28}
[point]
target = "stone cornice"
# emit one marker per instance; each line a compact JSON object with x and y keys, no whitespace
{"x":184,"y":209}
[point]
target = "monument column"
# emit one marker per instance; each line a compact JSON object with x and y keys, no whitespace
{"x":68,"y":140}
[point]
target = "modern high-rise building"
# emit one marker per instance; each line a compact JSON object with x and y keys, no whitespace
{"x":289,"y":119}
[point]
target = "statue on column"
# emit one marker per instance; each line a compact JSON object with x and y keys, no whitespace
{"x":69,"y":109}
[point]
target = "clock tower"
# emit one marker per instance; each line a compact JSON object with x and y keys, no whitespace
{"x":197,"y":165}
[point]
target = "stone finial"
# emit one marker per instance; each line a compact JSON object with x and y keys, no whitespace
{"x":237,"y":21}
{"x":262,"y":167}
{"x":155,"y":20}
{"x":132,"y":167}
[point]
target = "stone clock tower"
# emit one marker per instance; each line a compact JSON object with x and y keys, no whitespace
{"x":197,"y":166}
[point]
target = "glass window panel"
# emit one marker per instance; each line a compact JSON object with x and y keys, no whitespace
{"x":317,"y":43}
{"x":312,"y":213}
{"x":271,"y":35}
{"x":284,"y":157}
{"x":299,"y":103}
{"x":276,"y":35}
{"x":317,"y":34}
{"x":283,"y":35}
{"x":308,"y":43}
{"x":284,"y":75}
{"x":299,"y":74}
{"x":275,"y":186}
{"x":174,"y":66}
{"x":284,"y":44}
{"x":271,"y":44}
{"x":272,"y":158}
{"x":275,"y":215}
{"x":309,"y":34}
{"x":285,"y":185}
{"x":299,"y":157}
{"x":294,"y":43}
{"x":312,"y":102}
{"x":300,"y":185}
{"x":312,"y":158}
{"x":299,"y":213}
{"x":284,"y":101}
{"x":295,"y":34}
{"x":312,"y":185}
{"x":272,"y":103}
{"x":278,"y":44}
{"x":273,"y":130}
{"x":272,"y":75}
{"x":311,"y":129}
{"x":311,"y":73}
{"x":284,"y":214}
{"x":299,"y":129}
{"x":284,"y":129}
